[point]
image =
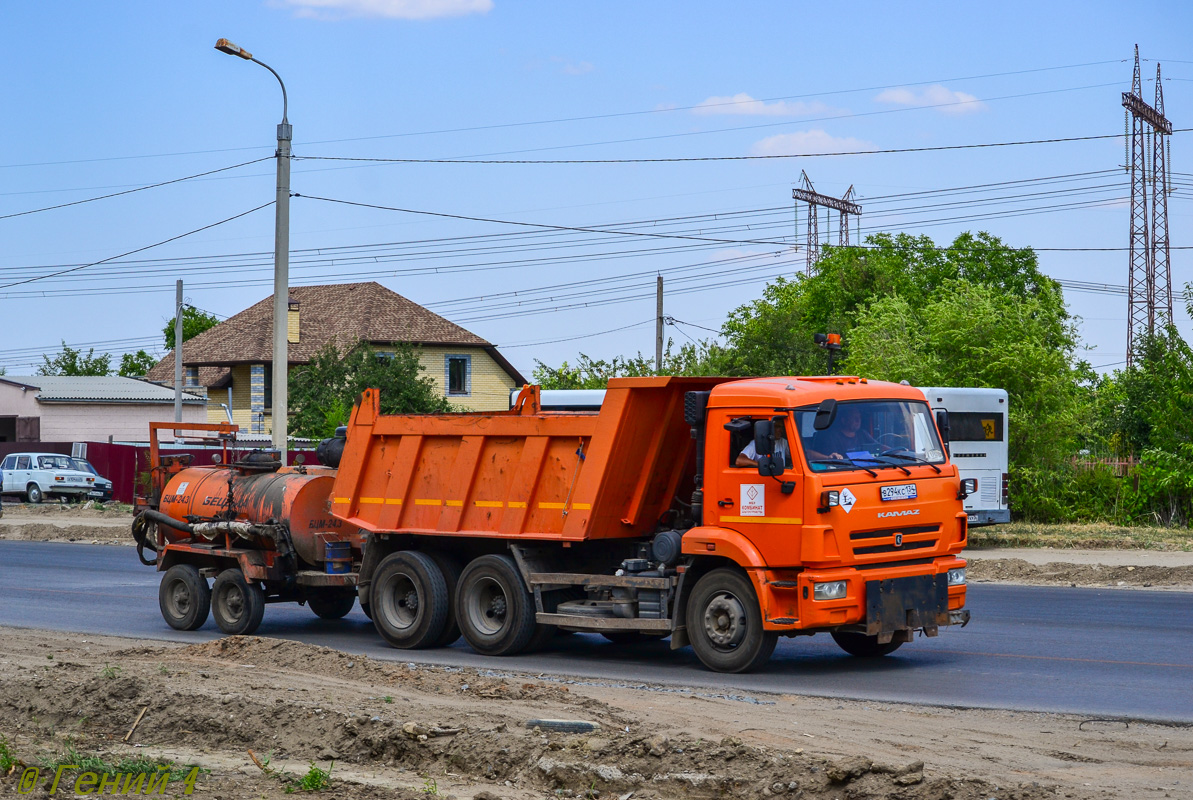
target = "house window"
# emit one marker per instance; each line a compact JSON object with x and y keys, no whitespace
{"x":192,"y":376}
{"x":458,"y":376}
{"x":269,"y":388}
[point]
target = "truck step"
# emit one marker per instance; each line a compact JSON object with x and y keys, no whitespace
{"x":602,"y":623}
{"x":585,"y":579}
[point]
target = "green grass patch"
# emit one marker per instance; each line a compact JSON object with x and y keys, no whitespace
{"x":1082,"y":536}
{"x":7,"y":759}
{"x":316,"y":779}
{"x":84,"y":762}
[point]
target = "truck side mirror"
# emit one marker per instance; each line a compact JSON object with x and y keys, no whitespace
{"x":942,"y":422}
{"x":764,"y":446}
{"x":826,"y":412}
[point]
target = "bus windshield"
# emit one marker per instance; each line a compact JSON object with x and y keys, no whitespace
{"x":871,"y":434}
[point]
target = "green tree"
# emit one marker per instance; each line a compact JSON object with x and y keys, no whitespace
{"x":323,"y":391}
{"x":194,"y":322}
{"x":72,"y":362}
{"x":773,"y":335}
{"x":136,"y":365}
{"x":700,"y":358}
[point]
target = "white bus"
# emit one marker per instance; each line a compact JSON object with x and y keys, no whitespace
{"x":978,"y":446}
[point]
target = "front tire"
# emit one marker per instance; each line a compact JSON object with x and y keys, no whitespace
{"x":184,"y":598}
{"x":494,"y":609}
{"x":863,"y":646}
{"x":725,"y":623}
{"x":34,"y":494}
{"x":408,"y":600}
{"x":237,"y":605}
{"x":331,"y":603}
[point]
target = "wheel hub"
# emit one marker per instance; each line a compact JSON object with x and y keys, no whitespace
{"x":497,"y":607}
{"x":725,"y":621}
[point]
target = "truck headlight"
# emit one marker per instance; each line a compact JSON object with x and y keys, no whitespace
{"x":957,"y":577}
{"x":834,"y":590}
{"x":830,"y":499}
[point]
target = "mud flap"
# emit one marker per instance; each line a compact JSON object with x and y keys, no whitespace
{"x":899,"y":605}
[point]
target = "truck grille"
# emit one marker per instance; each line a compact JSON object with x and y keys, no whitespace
{"x":882,"y":541}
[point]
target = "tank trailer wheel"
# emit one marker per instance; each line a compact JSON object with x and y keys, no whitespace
{"x":331,"y":603}
{"x":494,"y":609}
{"x":184,"y":598}
{"x":451,"y":568}
{"x":34,"y":494}
{"x":863,"y":646}
{"x":237,"y":604}
{"x":408,"y":598}
{"x":725,"y":623}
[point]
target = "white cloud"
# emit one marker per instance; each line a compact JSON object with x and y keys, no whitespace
{"x":807,"y":143}
{"x":573,"y":67}
{"x":743,"y":104}
{"x":948,"y":101}
{"x":390,"y":9}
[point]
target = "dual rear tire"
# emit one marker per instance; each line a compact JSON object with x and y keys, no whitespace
{"x":420,"y":600}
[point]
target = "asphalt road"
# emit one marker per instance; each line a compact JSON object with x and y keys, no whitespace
{"x":1101,"y":653}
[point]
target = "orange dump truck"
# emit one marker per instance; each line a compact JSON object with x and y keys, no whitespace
{"x":722,"y":513}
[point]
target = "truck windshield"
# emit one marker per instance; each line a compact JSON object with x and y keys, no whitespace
{"x":871,"y":434}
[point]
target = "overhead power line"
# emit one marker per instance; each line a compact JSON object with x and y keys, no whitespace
{"x":136,"y":250}
{"x":766,"y":157}
{"x":131,"y":191}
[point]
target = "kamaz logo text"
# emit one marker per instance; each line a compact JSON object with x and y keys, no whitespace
{"x":908,"y":513}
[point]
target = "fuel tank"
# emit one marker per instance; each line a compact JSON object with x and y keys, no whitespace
{"x":298,"y":498}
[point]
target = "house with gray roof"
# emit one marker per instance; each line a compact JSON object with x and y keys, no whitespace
{"x":58,"y":408}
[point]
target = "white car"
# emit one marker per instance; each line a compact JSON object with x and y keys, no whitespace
{"x":38,"y":475}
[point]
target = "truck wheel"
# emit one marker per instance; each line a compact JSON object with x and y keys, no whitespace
{"x":725,"y":623}
{"x":237,"y":604}
{"x":408,"y":598}
{"x":33,"y":493}
{"x":863,"y":646}
{"x":451,"y":568}
{"x":184,"y":598}
{"x":495,"y":611}
{"x":331,"y":603}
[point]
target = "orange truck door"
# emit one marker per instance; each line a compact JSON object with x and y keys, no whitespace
{"x":742,"y":500}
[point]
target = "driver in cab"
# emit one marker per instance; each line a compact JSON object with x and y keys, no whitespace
{"x":843,"y":437}
{"x":748,"y":457}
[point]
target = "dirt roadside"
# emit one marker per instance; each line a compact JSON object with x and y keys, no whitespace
{"x":1131,"y":569}
{"x":396,"y":730}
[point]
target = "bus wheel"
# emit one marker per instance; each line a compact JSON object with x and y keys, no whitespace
{"x":184,"y":598}
{"x":725,"y":623}
{"x":331,"y":603}
{"x":408,"y":600}
{"x":237,"y":604}
{"x":863,"y":646}
{"x":495,"y":611}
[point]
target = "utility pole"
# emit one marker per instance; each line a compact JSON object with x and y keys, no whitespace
{"x":658,"y":327}
{"x":178,"y":351}
{"x":814,"y":199}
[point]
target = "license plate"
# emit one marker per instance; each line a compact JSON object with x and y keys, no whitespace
{"x":904,"y":492}
{"x":95,"y":494}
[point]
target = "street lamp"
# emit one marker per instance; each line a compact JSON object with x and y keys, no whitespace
{"x":281,"y":259}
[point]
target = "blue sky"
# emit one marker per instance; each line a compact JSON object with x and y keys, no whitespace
{"x":106,"y":97}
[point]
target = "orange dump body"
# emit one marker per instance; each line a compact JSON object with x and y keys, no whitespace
{"x":524,"y":474}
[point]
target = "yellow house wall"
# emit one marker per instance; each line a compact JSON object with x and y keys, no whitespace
{"x":242,"y":413}
{"x":490,"y":384}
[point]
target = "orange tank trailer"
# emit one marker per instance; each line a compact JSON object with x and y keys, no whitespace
{"x":643,"y":521}
{"x":264,"y":532}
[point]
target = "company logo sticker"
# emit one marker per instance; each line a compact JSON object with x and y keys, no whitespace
{"x":182,"y":487}
{"x":753,"y":500}
{"x":847,"y":500}
{"x":898,"y":540}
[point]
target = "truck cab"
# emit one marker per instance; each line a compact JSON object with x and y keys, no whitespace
{"x":836,"y":496}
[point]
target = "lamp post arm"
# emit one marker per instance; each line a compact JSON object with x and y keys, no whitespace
{"x":285,"y":102}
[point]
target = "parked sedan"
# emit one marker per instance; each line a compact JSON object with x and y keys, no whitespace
{"x":37,"y":475}
{"x":103,"y":487}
